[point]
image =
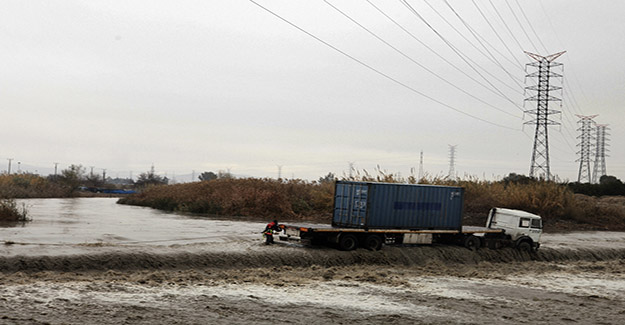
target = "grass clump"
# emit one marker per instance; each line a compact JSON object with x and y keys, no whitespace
{"x":10,"y":211}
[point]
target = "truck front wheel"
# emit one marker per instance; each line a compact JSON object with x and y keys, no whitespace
{"x":348,"y":242}
{"x":525,"y":246}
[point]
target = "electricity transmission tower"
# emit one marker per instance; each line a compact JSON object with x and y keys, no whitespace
{"x":420,"y":167}
{"x":586,"y":126}
{"x":351,"y":168}
{"x":279,"y":171}
{"x":452,"y":161}
{"x":540,"y":154}
{"x":600,"y":150}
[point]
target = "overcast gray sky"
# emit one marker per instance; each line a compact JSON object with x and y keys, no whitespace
{"x":217,"y":85}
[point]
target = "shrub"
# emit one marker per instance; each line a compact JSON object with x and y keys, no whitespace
{"x":10,"y":211}
{"x":297,"y":199}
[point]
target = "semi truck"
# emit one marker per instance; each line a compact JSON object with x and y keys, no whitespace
{"x":370,"y":215}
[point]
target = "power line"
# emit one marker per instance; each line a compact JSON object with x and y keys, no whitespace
{"x":521,"y":25}
{"x":462,"y":56}
{"x":520,"y":65}
{"x":376,"y":70}
{"x":531,"y":27}
{"x":413,"y":60}
{"x":502,"y":20}
{"x":436,"y":53}
{"x":572,"y":73}
{"x":490,"y":56}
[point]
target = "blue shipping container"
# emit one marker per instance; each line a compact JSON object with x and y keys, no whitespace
{"x":397,"y":206}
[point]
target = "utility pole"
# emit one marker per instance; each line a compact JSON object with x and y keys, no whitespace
{"x":56,"y":165}
{"x":600,"y":150}
{"x":586,"y":126}
{"x":452,"y":161}
{"x":279,"y":172}
{"x":91,"y":173}
{"x":9,"y":170}
{"x":540,"y":154}
{"x":103,"y":175}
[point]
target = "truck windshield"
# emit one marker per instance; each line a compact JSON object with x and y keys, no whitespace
{"x":536,"y":223}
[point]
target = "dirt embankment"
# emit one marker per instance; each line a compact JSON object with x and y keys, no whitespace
{"x":295,"y":257}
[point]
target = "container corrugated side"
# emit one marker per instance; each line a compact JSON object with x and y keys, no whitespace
{"x":398,"y":206}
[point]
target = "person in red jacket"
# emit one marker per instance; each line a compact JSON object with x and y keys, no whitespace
{"x":268,"y":232}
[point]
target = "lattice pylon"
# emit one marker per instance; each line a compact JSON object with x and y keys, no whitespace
{"x":600,"y":153}
{"x":539,"y":166}
{"x":585,"y":144}
{"x":452,"y":161}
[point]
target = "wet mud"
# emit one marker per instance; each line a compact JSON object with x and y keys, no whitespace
{"x":434,"y":293}
{"x":254,"y":283}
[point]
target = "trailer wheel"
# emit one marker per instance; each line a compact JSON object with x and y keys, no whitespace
{"x":348,"y":242}
{"x":373,"y":243}
{"x":473,"y":243}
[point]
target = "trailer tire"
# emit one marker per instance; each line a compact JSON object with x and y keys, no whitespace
{"x":348,"y":242}
{"x":472,"y":242}
{"x":373,"y":243}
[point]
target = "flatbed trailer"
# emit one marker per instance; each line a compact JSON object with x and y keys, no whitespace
{"x":373,"y":239}
{"x":370,"y":215}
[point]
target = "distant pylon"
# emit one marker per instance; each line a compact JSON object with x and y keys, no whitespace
{"x":600,"y":150}
{"x":585,"y":144}
{"x":420,"y":167}
{"x":351,"y":168}
{"x":452,"y":161}
{"x":540,"y":154}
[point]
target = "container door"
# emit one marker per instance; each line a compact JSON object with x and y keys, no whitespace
{"x":350,"y":205}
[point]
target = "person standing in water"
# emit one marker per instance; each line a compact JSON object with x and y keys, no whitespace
{"x":268,"y":232}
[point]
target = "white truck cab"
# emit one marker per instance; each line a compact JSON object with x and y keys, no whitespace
{"x":523,"y":228}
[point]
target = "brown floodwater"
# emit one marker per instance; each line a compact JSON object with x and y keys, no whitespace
{"x":90,"y":260}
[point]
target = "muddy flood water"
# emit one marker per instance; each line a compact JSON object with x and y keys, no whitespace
{"x":91,"y":261}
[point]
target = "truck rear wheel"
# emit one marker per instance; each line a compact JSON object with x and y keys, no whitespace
{"x":348,"y":242}
{"x":373,"y":243}
{"x":472,"y":242}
